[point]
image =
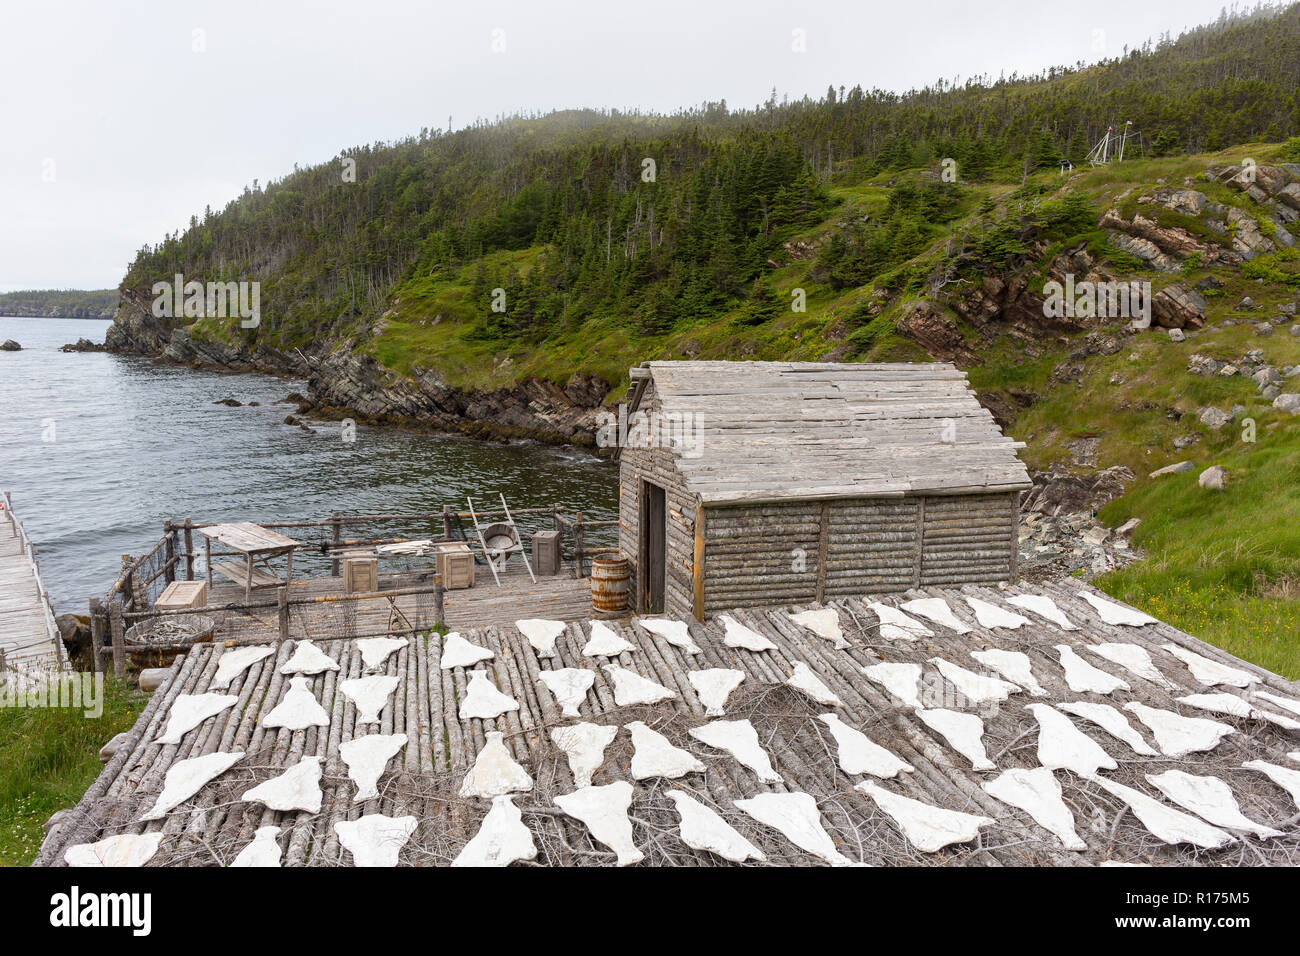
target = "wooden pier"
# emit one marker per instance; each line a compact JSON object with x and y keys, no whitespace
{"x":29,"y":638}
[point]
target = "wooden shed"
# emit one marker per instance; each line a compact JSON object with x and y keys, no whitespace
{"x":762,"y":483}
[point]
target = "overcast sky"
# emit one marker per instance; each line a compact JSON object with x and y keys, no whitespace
{"x":120,"y":120}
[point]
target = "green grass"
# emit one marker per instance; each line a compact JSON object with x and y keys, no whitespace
{"x":48,"y":757}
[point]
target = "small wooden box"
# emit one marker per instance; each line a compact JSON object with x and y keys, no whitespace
{"x":182,"y":594}
{"x":455,"y":565}
{"x":546,"y":552}
{"x":360,"y":575}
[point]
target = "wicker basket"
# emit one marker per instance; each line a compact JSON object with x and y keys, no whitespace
{"x":157,"y":641}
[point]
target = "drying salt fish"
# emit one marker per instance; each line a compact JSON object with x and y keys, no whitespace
{"x":1044,"y":607}
{"x":990,"y":615}
{"x":1132,"y":658}
{"x":375,"y":650}
{"x":569,"y":685}
{"x":1014,"y":666}
{"x":1284,"y":702}
{"x":495,"y":771}
{"x":740,"y":739}
{"x":298,"y":788}
{"x":795,"y":816}
{"x":976,"y":688}
{"x":263,"y":851}
{"x":859,"y":754}
{"x":936,"y":610}
{"x":713,"y":686}
{"x":1294,"y":755}
{"x":606,"y":642}
{"x":1110,"y":720}
{"x":1063,"y":746}
{"x":1210,"y":799}
{"x":1176,"y":735}
{"x":1038,"y":793}
{"x":675,"y":633}
{"x":584,"y":744}
{"x":1112,"y":613}
{"x":1211,"y":672}
{"x":824,"y":622}
{"x":235,"y":661}
{"x":458,"y":652}
{"x":299,"y":709}
{"x":963,"y":733}
{"x":190,"y":710}
{"x":308,"y":659}
{"x":541,"y":634}
{"x":370,"y":694}
{"x":1170,"y":825}
{"x":631,"y":688}
{"x":123,"y":849}
{"x":604,"y":812}
{"x":804,"y":680}
{"x":927,"y":827}
{"x":897,"y":626}
{"x":1083,"y":677}
{"x":703,"y":829}
{"x":483,"y":700}
{"x":375,"y":839}
{"x":1234,"y":706}
{"x":502,"y":838}
{"x":185,"y":778}
{"x":654,"y":756}
{"x":366,"y":758}
{"x":901,"y":680}
{"x":1284,"y":777}
{"x":736,"y":634}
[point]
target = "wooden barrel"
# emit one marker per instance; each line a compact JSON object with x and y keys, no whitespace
{"x":611,"y":583}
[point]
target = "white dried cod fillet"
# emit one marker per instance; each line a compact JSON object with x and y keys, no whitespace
{"x":897,"y":626}
{"x":299,"y":709}
{"x":976,"y":688}
{"x":569,"y":686}
{"x":1044,"y":607}
{"x":502,"y":838}
{"x":654,"y":756}
{"x":298,"y":788}
{"x":235,"y":661}
{"x":901,"y":680}
{"x":1210,"y":799}
{"x":631,"y":688}
{"x":927,"y":827}
{"x":795,"y":816}
{"x":713,"y":686}
{"x":740,"y":739}
{"x":541,"y":634}
{"x":1132,"y":658}
{"x":376,"y":650}
{"x":1110,"y":720}
{"x":963,"y":733}
{"x":366,"y":757}
{"x":308,"y":659}
{"x":736,"y":634}
{"x":1063,"y":746}
{"x":1014,"y":666}
{"x":458,"y":652}
{"x":1084,"y":678}
{"x":495,"y":771}
{"x":604,"y":812}
{"x":121,"y":850}
{"x":675,"y":633}
{"x":1170,"y":825}
{"x":264,"y":851}
{"x":1176,"y":735}
{"x":1284,"y":777}
{"x":185,"y":778}
{"x":584,"y":744}
{"x":824,"y":622}
{"x":483,"y":700}
{"x":606,"y":642}
{"x":805,"y":681}
{"x":1038,"y":793}
{"x":991,"y":616}
{"x":936,"y":610}
{"x":190,"y":710}
{"x":859,"y":754}
{"x":1211,"y":672}
{"x":1112,"y":613}
{"x":703,"y":829}
{"x":370,"y":694}
{"x":375,"y":839}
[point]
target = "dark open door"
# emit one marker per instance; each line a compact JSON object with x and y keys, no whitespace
{"x":650,"y":563}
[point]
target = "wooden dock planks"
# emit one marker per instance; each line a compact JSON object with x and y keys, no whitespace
{"x":29,"y":639}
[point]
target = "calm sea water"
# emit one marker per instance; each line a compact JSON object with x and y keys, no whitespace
{"x":98,"y":449}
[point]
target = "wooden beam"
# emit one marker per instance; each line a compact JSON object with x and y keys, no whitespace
{"x":823,"y":550}
{"x":698,"y":577}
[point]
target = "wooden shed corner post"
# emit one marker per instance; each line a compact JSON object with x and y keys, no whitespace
{"x":698,"y":571}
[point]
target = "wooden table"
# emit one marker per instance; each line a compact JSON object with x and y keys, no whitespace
{"x":256,"y":545}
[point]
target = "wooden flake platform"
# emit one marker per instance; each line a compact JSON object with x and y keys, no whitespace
{"x":423,"y":779}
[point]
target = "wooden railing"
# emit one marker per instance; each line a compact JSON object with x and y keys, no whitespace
{"x":28,"y":549}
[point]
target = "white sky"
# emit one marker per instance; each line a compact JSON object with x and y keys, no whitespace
{"x":139,"y":131}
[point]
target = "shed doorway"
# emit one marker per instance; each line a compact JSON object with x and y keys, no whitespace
{"x":652,"y":557}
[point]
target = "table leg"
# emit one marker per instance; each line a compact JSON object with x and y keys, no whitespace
{"x":248,"y":582}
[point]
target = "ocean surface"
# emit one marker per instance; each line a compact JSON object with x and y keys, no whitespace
{"x":99,"y":449}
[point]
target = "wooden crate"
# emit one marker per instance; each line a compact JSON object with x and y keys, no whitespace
{"x":360,"y":574}
{"x":455,"y":565}
{"x":546,"y":552}
{"x":182,"y":594}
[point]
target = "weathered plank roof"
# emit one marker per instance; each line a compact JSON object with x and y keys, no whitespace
{"x":423,"y":778}
{"x":774,"y":431}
